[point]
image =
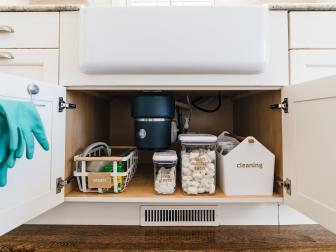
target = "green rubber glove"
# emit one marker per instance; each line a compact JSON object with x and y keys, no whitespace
{"x":4,"y":150}
{"x":3,"y":175}
{"x":24,"y":123}
{"x":4,"y":139}
{"x":19,"y":123}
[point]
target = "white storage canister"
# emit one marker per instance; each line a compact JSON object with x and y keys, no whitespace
{"x":165,"y":171}
{"x":198,"y":163}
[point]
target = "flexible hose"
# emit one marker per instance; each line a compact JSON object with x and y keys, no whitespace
{"x":194,"y":103}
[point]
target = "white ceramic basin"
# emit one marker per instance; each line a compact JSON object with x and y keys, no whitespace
{"x":180,"y":40}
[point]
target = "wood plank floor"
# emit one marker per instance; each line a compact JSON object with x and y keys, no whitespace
{"x":134,"y":238}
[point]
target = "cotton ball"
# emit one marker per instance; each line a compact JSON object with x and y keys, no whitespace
{"x":185,"y":184}
{"x":198,"y":171}
{"x":207,"y":183}
{"x":203,"y":173}
{"x":212,"y":188}
{"x":206,"y":159}
{"x":167,"y":189}
{"x":184,"y":155}
{"x":185,"y":160}
{"x":193,"y":183}
{"x":186,"y":172}
{"x":164,"y":188}
{"x":210,"y":175}
{"x":193,"y":154}
{"x":192,"y":190}
{"x":211,"y":180}
{"x":165,"y":180}
{"x":187,"y":178}
{"x":204,"y":182}
{"x":200,"y":190}
{"x":185,"y":187}
{"x":191,"y":167}
{"x":211,"y":166}
{"x":207,"y":169}
{"x":197,"y":175}
{"x":212,"y":155}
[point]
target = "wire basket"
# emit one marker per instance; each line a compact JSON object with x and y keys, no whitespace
{"x":105,"y":169}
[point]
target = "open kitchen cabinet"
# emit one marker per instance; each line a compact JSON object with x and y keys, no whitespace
{"x":106,"y":116}
{"x":302,"y":140}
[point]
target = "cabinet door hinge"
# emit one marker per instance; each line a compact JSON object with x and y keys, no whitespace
{"x":63,"y":105}
{"x":283,"y":105}
{"x":287,"y":184}
{"x":60,"y":183}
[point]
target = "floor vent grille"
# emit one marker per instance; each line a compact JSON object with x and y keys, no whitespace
{"x":179,"y":216}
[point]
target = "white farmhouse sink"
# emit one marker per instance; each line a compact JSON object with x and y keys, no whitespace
{"x":179,"y":40}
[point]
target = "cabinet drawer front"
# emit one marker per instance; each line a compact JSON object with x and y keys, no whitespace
{"x":308,"y":65}
{"x":313,"y":29}
{"x":29,"y":30}
{"x":37,"y":64}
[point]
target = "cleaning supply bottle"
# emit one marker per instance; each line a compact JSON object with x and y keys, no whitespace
{"x":108,"y":168}
{"x":120,"y":179}
{"x":120,"y":168}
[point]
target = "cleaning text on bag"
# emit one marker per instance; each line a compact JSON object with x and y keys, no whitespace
{"x":250,"y":165}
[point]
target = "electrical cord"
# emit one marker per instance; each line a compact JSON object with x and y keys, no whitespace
{"x":179,"y":120}
{"x":201,"y":99}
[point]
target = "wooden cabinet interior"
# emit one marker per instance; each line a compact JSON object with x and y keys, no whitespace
{"x":253,"y":117}
{"x":86,"y":124}
{"x":106,"y":116}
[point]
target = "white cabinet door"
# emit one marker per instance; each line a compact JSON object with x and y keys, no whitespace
{"x":309,"y":147}
{"x":31,"y":184}
{"x":37,"y":64}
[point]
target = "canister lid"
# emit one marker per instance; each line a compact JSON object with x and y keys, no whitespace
{"x":165,"y":156}
{"x":197,"y":138}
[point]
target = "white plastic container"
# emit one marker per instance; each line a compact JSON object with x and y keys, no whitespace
{"x":198,"y":164}
{"x":165,"y":172}
{"x":248,"y":169}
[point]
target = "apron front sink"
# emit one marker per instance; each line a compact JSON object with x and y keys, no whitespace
{"x":179,"y":40}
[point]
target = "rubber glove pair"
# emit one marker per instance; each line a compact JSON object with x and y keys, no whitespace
{"x":19,"y":124}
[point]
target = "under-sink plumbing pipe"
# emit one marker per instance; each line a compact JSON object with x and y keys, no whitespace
{"x":183,"y":105}
{"x":186,"y":119}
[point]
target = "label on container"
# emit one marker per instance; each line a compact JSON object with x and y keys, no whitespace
{"x":165,"y":176}
{"x":99,"y":180}
{"x":199,"y":163}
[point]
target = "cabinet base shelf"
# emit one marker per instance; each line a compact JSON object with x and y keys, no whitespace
{"x":140,"y":190}
{"x":176,"y":198}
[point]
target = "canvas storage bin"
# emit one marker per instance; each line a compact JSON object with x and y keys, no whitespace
{"x":248,"y":169}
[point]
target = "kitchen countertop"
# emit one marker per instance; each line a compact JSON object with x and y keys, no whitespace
{"x":40,"y":8}
{"x":54,"y":5}
{"x":329,"y":6}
